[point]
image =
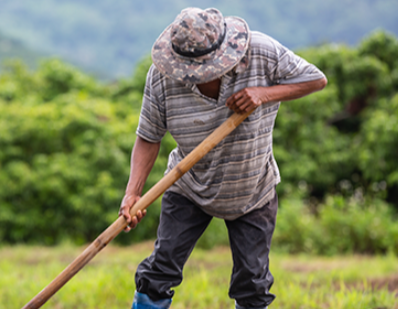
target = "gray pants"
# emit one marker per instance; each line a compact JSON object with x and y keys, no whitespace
{"x":181,"y":225}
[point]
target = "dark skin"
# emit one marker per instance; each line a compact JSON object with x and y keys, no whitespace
{"x":144,"y":153}
{"x":210,"y":89}
{"x":143,"y":157}
{"x":250,"y":98}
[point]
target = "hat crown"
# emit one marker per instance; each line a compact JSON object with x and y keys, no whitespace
{"x":201,"y":45}
{"x":196,"y":30}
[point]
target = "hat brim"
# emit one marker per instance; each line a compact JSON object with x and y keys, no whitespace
{"x":203,"y":69}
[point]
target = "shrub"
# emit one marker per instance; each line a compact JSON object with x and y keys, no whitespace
{"x":340,"y":225}
{"x":65,"y":144}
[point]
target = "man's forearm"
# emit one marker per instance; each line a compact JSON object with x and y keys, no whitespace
{"x":143,"y":157}
{"x":249,"y":98}
{"x":291,"y":91}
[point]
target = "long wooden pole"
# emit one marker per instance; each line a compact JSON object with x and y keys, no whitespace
{"x":113,"y":230}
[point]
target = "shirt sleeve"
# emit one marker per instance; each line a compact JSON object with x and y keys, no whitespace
{"x":290,"y":68}
{"x":152,"y":123}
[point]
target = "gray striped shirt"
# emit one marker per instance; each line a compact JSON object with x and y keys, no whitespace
{"x":240,"y":173}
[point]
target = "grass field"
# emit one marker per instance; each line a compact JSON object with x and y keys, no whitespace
{"x":108,"y":280}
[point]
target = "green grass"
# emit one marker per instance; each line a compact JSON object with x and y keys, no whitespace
{"x":302,"y":281}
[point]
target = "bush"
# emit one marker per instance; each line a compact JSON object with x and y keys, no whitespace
{"x":64,"y":165}
{"x":346,"y":133}
{"x":66,"y":140}
{"x":340,"y":225}
{"x":62,"y":168}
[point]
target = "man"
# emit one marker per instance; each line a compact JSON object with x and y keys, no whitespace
{"x":205,"y":68}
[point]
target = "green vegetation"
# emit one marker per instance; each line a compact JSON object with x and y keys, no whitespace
{"x":65,"y":147}
{"x":65,"y":143}
{"x":108,"y":282}
{"x":66,"y":139}
{"x":338,"y":226}
{"x":110,"y":37}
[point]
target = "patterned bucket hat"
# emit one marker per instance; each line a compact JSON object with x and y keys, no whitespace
{"x":200,"y":45}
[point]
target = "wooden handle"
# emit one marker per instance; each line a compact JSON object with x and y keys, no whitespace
{"x":120,"y":224}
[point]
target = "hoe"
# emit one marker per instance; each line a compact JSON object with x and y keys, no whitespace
{"x":115,"y":228}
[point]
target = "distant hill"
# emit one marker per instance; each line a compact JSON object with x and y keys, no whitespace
{"x":111,"y":36}
{"x":14,"y":49}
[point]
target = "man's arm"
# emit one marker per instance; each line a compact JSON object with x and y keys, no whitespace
{"x":249,"y":98}
{"x":143,"y":157}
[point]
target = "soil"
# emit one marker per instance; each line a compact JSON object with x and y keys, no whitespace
{"x":391,"y":283}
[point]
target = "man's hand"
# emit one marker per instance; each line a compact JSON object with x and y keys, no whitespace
{"x":247,"y":99}
{"x":128,"y":202}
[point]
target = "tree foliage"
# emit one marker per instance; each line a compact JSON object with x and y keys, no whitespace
{"x":66,"y":140}
{"x":64,"y":158}
{"x":345,"y":135}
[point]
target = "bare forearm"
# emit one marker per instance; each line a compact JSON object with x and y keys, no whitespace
{"x":143,"y":157}
{"x":249,"y":98}
{"x":291,"y":91}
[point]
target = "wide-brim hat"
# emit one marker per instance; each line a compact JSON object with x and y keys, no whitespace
{"x":201,"y":46}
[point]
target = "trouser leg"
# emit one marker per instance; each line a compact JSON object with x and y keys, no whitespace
{"x":181,"y":224}
{"x":250,"y":240}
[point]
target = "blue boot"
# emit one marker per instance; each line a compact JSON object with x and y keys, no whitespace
{"x":142,"y":301}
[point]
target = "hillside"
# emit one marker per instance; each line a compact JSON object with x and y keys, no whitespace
{"x":112,"y":36}
{"x":14,"y":49}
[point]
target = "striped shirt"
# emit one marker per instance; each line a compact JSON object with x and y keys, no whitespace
{"x":240,"y":173}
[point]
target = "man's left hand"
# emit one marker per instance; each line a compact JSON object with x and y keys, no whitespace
{"x":247,"y":99}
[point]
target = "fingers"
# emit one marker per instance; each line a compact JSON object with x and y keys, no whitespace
{"x":135,"y":220}
{"x":234,"y":101}
{"x":132,"y":221}
{"x":125,"y":213}
{"x":243,"y":101}
{"x":245,"y":105}
{"x":242,"y":106}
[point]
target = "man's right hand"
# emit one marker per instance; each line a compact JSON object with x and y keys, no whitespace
{"x":128,"y":202}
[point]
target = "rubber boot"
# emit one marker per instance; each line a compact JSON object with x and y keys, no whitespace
{"x":142,"y":301}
